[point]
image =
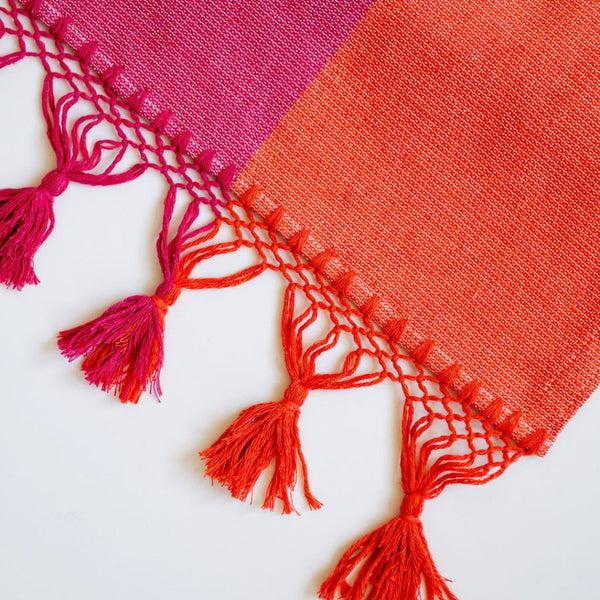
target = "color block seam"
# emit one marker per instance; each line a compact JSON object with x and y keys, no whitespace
{"x":325,"y":261}
{"x":443,"y":439}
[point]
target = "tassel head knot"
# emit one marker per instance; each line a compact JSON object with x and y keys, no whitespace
{"x":295,"y":395}
{"x":166,"y":295}
{"x":412,"y":505}
{"x":55,"y":183}
{"x":262,"y":434}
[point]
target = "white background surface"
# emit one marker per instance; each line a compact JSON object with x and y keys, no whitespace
{"x":100,"y":500}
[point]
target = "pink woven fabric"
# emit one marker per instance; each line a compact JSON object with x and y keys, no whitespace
{"x":230,"y":70}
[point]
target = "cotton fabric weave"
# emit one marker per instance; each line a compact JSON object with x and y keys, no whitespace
{"x":446,"y":151}
{"x":228,"y":70}
{"x":449,"y":152}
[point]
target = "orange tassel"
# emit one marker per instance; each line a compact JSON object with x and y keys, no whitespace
{"x":391,"y":563}
{"x":262,"y":433}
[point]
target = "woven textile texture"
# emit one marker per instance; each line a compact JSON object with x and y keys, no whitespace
{"x":426,"y":186}
{"x":446,"y":153}
{"x":449,"y":153}
{"x":228,"y":70}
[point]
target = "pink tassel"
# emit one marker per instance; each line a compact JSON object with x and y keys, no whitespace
{"x":26,"y":215}
{"x":26,"y":220}
{"x":123,"y":348}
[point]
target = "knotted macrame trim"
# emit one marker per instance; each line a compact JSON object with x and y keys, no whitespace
{"x":444,"y":438}
{"x":422,"y":348}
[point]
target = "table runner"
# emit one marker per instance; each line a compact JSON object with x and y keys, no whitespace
{"x":434,"y":161}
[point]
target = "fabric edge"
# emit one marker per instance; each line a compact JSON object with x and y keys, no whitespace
{"x":532,"y":439}
{"x":422,"y":349}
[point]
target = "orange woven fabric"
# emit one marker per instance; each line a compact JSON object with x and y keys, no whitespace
{"x":449,"y":154}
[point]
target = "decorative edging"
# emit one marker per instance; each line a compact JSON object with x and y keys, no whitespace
{"x":444,"y":441}
{"x":324,"y":260}
{"x":421,"y":348}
